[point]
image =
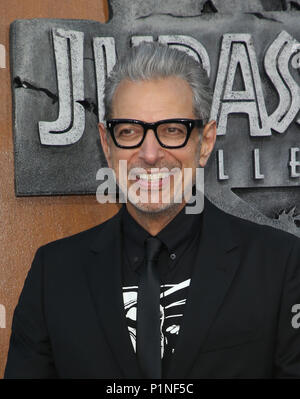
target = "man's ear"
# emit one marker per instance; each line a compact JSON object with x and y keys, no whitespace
{"x":105,"y":143}
{"x":208,"y":141}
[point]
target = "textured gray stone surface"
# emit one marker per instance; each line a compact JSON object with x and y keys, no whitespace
{"x":254,"y":171}
{"x":231,"y":6}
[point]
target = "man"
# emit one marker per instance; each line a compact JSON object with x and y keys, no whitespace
{"x":157,"y":291}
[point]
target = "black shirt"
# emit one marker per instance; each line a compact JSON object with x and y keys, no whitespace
{"x":180,"y":240}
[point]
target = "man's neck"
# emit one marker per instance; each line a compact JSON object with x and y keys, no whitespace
{"x":154,"y":222}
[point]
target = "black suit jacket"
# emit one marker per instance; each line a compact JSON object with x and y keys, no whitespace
{"x":70,"y":320}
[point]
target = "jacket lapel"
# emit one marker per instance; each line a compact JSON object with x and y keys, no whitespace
{"x":214,"y":269}
{"x":105,"y":282}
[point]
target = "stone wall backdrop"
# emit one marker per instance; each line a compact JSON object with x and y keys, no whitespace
{"x":54,"y":55}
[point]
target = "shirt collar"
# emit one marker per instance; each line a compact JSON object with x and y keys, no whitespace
{"x":175,"y":236}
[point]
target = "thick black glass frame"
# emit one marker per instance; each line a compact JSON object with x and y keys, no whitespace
{"x":190,"y":124}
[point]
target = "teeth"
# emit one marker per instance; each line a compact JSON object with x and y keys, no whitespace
{"x":153,"y":176}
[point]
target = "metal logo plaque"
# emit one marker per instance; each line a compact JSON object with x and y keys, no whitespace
{"x":59,"y":69}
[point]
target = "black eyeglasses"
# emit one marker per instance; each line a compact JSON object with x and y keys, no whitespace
{"x":170,"y":133}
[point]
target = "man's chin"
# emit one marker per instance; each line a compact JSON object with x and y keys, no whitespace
{"x":153,"y":208}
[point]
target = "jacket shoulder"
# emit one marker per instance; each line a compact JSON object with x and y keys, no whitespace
{"x":257,"y":231}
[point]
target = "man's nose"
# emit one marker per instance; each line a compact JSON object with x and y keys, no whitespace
{"x":150,"y":150}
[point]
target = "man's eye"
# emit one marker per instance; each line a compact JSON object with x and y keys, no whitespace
{"x":126,"y":132}
{"x":174,"y":130}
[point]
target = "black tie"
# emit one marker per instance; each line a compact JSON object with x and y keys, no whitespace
{"x":148,"y":312}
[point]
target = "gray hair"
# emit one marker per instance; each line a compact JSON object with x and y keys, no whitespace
{"x":153,"y":60}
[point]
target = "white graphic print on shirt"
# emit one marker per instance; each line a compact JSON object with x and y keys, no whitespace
{"x":172,"y":301}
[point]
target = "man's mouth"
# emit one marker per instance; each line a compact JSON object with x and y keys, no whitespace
{"x":156,"y":180}
{"x":153,"y":176}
